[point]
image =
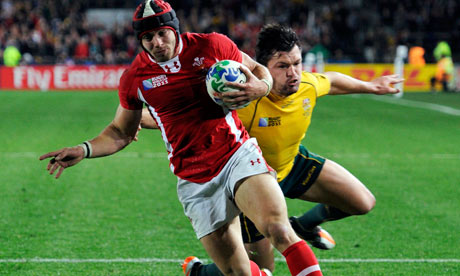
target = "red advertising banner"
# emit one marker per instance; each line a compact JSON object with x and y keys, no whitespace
{"x":60,"y":77}
{"x":101,"y":77}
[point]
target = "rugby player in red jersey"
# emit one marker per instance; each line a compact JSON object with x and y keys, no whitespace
{"x":220,"y":170}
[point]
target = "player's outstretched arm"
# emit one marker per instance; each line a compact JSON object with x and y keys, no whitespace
{"x":258,"y":84}
{"x":343,"y":84}
{"x":117,"y":135}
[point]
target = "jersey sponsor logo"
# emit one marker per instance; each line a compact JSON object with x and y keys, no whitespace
{"x":270,"y":121}
{"x":155,"y":82}
{"x":198,"y":61}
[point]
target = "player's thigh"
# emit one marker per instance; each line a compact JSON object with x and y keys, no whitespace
{"x":259,"y":197}
{"x":226,"y":248}
{"x":336,"y":186}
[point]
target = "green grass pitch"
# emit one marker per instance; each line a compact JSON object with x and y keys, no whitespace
{"x":120,"y":215}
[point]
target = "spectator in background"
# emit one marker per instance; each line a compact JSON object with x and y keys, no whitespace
{"x":81,"y":50}
{"x":416,"y":54}
{"x":11,"y":54}
{"x":444,"y":74}
{"x":444,"y":67}
{"x":320,"y":48}
{"x":442,"y":49}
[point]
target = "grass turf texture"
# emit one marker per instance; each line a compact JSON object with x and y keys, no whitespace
{"x":125,"y":206}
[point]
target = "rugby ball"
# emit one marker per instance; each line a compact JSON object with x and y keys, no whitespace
{"x":220,"y":73}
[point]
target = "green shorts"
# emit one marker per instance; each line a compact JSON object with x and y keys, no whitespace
{"x":303,"y":174}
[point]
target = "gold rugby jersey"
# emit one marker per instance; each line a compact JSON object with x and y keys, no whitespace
{"x":279,"y":124}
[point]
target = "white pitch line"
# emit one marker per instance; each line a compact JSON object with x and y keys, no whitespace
{"x":404,"y":102}
{"x":159,"y":260}
{"x":389,"y":260}
{"x":163,"y":155}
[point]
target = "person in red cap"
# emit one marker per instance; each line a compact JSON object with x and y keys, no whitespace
{"x":220,"y":169}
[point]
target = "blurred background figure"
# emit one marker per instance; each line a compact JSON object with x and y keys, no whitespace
{"x":444,"y":68}
{"x":11,"y":54}
{"x":416,"y":56}
{"x":442,"y":49}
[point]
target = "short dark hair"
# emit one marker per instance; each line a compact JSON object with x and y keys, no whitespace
{"x":274,"y":38}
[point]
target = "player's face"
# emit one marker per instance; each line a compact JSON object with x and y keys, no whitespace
{"x":286,"y":70}
{"x":160,"y":44}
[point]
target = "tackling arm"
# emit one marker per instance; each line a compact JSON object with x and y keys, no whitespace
{"x":343,"y":84}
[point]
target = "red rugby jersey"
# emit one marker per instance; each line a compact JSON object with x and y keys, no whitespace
{"x":199,"y":135}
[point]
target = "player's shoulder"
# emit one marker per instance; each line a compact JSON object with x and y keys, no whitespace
{"x":313,"y":78}
{"x":131,"y":73}
{"x":137,"y":64}
{"x":204,"y":38}
{"x":317,"y":81}
{"x":311,"y":75}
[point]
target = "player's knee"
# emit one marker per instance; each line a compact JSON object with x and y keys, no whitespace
{"x":367,"y":203}
{"x":278,"y":233}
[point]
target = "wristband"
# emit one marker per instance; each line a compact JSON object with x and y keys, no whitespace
{"x":269,"y":87}
{"x":87,"y":149}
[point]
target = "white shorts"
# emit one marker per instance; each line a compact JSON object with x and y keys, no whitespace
{"x":211,"y":205}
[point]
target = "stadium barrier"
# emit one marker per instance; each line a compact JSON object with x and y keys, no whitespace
{"x":106,"y":77}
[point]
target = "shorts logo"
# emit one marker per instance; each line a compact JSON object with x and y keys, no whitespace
{"x":254,"y":162}
{"x":309,"y":175}
{"x":174,"y":68}
{"x":270,"y":121}
{"x":155,"y":82}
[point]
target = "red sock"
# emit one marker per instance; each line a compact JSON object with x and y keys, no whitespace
{"x":255,"y":270}
{"x":301,"y":260}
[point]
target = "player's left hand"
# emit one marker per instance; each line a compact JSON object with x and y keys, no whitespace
{"x":384,"y":84}
{"x":251,"y":90}
{"x":62,"y":159}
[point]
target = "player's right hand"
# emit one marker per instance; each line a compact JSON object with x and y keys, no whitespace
{"x":63,"y":158}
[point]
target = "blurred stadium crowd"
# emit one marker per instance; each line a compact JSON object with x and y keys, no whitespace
{"x":59,"y":32}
